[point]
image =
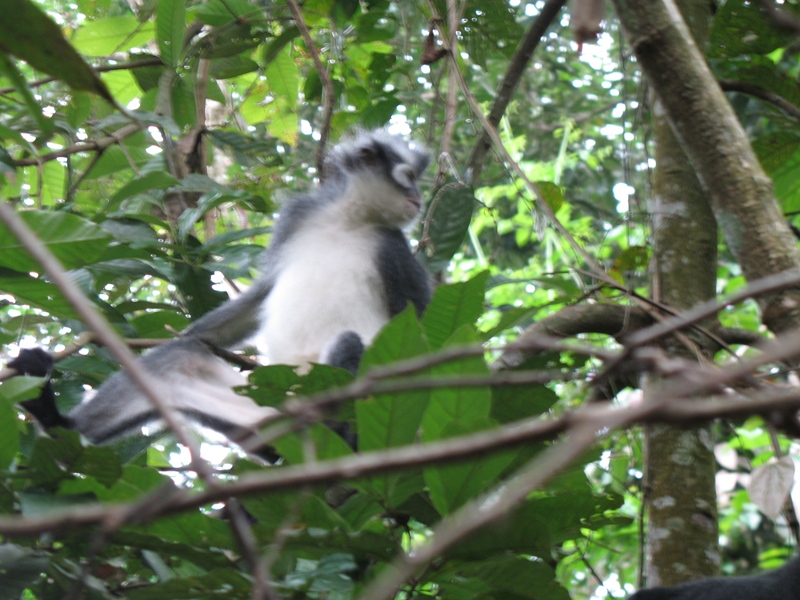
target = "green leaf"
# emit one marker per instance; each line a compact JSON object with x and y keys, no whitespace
{"x":447,"y":220}
{"x":779,"y":153}
{"x":21,"y":387}
{"x":230,"y":40}
{"x":154,"y":180}
{"x":112,"y":34}
{"x":156,"y":324}
{"x":283,"y":77}
{"x":499,"y":577}
{"x":195,"y":286}
{"x":461,"y":406}
{"x":460,"y":411}
{"x":232,"y":66}
{"x":512,"y":403}
{"x":10,"y":71}
{"x":33,"y":37}
{"x":222,"y":12}
{"x":9,"y":429}
{"x":53,"y":456}
{"x":453,"y":485}
{"x":170,"y":26}
{"x":488,"y":27}
{"x":277,"y":45}
{"x":100,"y":462}
{"x":74,"y":241}
{"x":389,"y":420}
{"x":327,"y":445}
{"x":183,"y":103}
{"x":551,"y":193}
{"x":453,"y":306}
{"x":36,"y":292}
{"x":270,"y":385}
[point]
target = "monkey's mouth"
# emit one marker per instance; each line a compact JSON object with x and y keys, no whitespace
{"x":415,"y":200}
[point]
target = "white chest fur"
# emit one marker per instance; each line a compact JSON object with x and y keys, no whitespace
{"x":328,"y":283}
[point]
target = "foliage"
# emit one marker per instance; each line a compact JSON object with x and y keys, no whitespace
{"x":153,"y":206}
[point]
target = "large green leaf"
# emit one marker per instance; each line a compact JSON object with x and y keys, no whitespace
{"x":283,"y":77}
{"x":460,"y":411}
{"x":388,"y":420}
{"x":32,"y":36}
{"x":451,"y":486}
{"x":507,"y":577}
{"x":196,"y":289}
{"x":170,"y":26}
{"x":453,"y":306}
{"x":36,"y":292}
{"x":74,"y":240}
{"x":9,"y":428}
{"x":232,"y":66}
{"x":9,"y":70}
{"x":152,"y":180}
{"x":111,"y":34}
{"x":447,"y":223}
{"x":779,"y":153}
{"x":222,"y":12}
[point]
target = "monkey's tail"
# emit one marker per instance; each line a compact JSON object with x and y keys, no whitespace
{"x":39,"y":363}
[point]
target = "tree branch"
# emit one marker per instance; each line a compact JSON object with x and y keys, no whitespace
{"x":516,"y":69}
{"x":732,"y":85}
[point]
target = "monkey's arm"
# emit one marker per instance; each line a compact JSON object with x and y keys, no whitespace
{"x":404,"y":278}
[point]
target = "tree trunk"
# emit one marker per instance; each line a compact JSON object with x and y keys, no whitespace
{"x":740,"y":192}
{"x":680,"y":496}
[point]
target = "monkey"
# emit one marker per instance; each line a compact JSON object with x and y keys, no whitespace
{"x":782,"y":583}
{"x":337,"y":268}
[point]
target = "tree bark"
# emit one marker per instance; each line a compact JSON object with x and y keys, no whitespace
{"x":740,"y":192}
{"x":680,"y":496}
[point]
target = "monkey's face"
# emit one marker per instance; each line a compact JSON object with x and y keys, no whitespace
{"x":382,"y":172}
{"x":393,"y":201}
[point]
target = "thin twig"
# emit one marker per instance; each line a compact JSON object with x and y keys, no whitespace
{"x":328,"y":91}
{"x":89,"y":146}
